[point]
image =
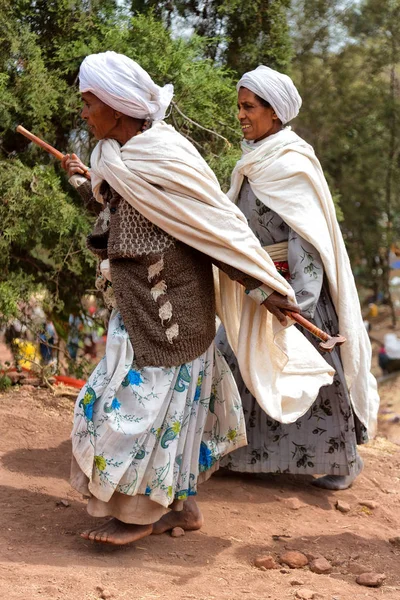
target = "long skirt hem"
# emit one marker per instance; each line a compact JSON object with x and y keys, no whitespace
{"x":138,"y":510}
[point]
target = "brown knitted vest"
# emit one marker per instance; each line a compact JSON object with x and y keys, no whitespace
{"x":164,"y":289}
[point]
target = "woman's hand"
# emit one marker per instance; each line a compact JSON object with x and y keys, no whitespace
{"x":277,"y":304}
{"x":73,"y":165}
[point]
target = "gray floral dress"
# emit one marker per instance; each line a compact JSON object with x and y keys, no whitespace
{"x":324,"y":440}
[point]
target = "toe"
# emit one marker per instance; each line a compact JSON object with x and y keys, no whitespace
{"x":85,"y":535}
{"x":103,"y":538}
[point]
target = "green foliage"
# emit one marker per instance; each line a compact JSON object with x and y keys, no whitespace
{"x":224,"y":164}
{"x":43,"y":236}
{"x":341,"y":55}
{"x":257,"y":33}
{"x":16,"y":286}
{"x":240,"y":35}
{"x":5,"y":383}
{"x":346,"y":67}
{"x":43,"y":225}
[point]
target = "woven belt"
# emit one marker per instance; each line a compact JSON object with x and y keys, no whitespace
{"x":278,"y":252}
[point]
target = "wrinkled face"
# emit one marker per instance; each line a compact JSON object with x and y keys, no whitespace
{"x":256,"y":120}
{"x":99,"y":116}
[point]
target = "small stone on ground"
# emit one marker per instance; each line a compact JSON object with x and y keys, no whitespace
{"x":342,"y":506}
{"x":320,"y":566}
{"x":294,"y":559}
{"x":63,"y":502}
{"x":371,"y":579}
{"x":369,"y":504}
{"x":266,"y":562}
{"x":177,"y":532}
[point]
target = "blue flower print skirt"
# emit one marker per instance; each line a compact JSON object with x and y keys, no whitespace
{"x":153,"y":431}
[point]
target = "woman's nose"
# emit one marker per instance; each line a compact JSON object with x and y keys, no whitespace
{"x":241,"y":114}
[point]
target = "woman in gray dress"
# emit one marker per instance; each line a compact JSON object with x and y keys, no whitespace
{"x":324,"y":440}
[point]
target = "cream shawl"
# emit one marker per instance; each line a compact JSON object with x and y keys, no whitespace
{"x":286,"y":176}
{"x":164,"y":177}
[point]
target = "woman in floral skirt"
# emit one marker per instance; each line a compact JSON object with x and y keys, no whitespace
{"x":161,"y":408}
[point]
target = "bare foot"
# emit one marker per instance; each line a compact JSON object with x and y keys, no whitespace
{"x":339,"y":482}
{"x":190,"y":518}
{"x":118,"y":533}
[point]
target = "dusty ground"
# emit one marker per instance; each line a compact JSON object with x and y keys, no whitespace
{"x":42,"y":556}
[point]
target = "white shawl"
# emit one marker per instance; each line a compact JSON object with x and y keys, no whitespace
{"x":286,"y":176}
{"x":163,"y":176}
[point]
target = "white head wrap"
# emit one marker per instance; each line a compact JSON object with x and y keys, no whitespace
{"x":276,"y":88}
{"x":122,"y":84}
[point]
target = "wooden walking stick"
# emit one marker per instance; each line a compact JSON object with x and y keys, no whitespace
{"x":329,"y":342}
{"x":42,"y":144}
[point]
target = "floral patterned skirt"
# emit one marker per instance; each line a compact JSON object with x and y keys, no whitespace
{"x":323,"y":441}
{"x":153,"y":431}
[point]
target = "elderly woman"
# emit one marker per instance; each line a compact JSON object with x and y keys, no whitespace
{"x":281,"y":189}
{"x":162,"y":408}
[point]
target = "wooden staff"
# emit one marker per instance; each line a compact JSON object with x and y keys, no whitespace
{"x":328,"y":341}
{"x":36,"y":140}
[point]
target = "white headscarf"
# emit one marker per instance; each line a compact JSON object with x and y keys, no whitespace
{"x":122,"y":84}
{"x":276,"y":88}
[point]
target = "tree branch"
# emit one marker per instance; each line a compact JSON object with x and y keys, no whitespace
{"x":178,"y":110}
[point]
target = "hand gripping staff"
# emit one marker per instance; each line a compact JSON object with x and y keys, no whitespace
{"x":328,"y":341}
{"x":36,"y":140}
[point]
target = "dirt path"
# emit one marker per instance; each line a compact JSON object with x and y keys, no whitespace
{"x":41,"y":555}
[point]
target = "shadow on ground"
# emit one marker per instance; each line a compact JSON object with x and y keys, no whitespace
{"x":40,"y":531}
{"x":40,"y":462}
